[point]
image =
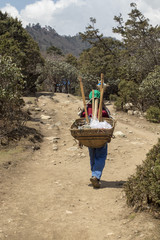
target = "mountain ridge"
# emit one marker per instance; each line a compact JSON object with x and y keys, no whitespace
{"x":47,"y":37}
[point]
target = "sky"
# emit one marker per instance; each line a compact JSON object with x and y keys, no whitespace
{"x":69,"y":17}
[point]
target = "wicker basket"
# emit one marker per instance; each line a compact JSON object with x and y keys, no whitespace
{"x":94,"y":138}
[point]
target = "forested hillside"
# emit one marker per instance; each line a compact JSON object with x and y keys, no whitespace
{"x":47,"y":37}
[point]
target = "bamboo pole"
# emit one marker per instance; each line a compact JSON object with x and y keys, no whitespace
{"x":92,"y":103}
{"x":100,"y":106}
{"x":83,"y":97}
{"x":101,"y":98}
{"x":96,"y":109}
{"x":102,"y":81}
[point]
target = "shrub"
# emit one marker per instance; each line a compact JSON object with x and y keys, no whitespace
{"x":128,"y":92}
{"x":143,"y":189}
{"x":11,"y":86}
{"x":113,"y":97}
{"x":150,"y":89}
{"x":153,"y":114}
{"x":119,"y":103}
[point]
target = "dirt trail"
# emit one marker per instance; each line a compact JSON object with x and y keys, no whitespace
{"x":49,"y":196}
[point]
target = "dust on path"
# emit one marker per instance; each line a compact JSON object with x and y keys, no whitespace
{"x":49,"y":196}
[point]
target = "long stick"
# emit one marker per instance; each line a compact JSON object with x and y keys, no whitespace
{"x":92,"y":103}
{"x":100,"y":106}
{"x":102,"y":81}
{"x":96,"y":109}
{"x":101,"y":98}
{"x":84,"y":101}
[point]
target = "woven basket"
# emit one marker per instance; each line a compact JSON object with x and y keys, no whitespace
{"x":94,"y":138}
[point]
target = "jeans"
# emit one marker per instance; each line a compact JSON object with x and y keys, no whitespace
{"x":97,"y":160}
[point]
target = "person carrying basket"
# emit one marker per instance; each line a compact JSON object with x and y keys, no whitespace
{"x":97,"y":155}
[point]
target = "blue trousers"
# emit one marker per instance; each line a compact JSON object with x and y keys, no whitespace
{"x":97,"y":160}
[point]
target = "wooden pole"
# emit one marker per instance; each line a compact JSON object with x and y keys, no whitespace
{"x":101,"y":98}
{"x":96,"y":109}
{"x":100,"y":106}
{"x":92,"y":103}
{"x":102,"y":81}
{"x":83,"y":97}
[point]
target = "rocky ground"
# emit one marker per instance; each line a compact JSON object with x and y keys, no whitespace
{"x":45,"y":188}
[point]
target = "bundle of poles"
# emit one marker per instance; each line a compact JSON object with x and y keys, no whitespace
{"x":94,"y":101}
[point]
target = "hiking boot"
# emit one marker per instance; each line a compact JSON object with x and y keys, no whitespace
{"x":95,"y":182}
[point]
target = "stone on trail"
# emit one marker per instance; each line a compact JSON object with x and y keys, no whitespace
{"x":50,"y":127}
{"x":137,"y":113}
{"x":128,"y":106}
{"x":119,"y":134}
{"x":58,"y":124}
{"x":36,"y":147}
{"x":137,"y":143}
{"x":82,"y":155}
{"x":55,"y":138}
{"x":38,"y":109}
{"x":45,"y":117}
{"x":68,"y":212}
{"x":66,"y":103}
{"x":130,"y":112}
{"x":72,"y":149}
{"x":110,"y":234}
{"x":52,"y":139}
{"x":53,"y":126}
{"x":55,"y":147}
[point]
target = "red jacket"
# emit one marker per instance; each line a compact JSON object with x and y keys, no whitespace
{"x":105,"y":112}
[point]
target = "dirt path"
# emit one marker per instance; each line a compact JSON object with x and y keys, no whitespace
{"x":49,"y":196}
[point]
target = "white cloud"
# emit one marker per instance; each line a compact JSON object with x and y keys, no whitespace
{"x":11,"y":10}
{"x":152,"y":3}
{"x":38,"y":12}
{"x":60,"y":15}
{"x":150,"y":9}
{"x":68,"y":17}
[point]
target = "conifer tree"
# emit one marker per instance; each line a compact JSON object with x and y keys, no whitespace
{"x":18,"y":44}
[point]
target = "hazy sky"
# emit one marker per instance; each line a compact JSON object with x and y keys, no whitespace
{"x":68,"y":17}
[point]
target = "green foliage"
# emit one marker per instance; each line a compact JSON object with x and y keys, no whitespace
{"x":131,"y":59}
{"x":18,"y":44}
{"x":153,"y":114}
{"x":11,"y":79}
{"x":56,"y":74}
{"x":102,"y":57}
{"x":89,"y":83}
{"x":94,"y":62}
{"x":54,"y":50}
{"x":113,"y":97}
{"x":96,"y":39}
{"x":69,"y":58}
{"x":119,"y":103}
{"x":128,"y":92}
{"x":11,"y":86}
{"x":150,"y":89}
{"x":143,"y":188}
{"x":141,"y":41}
